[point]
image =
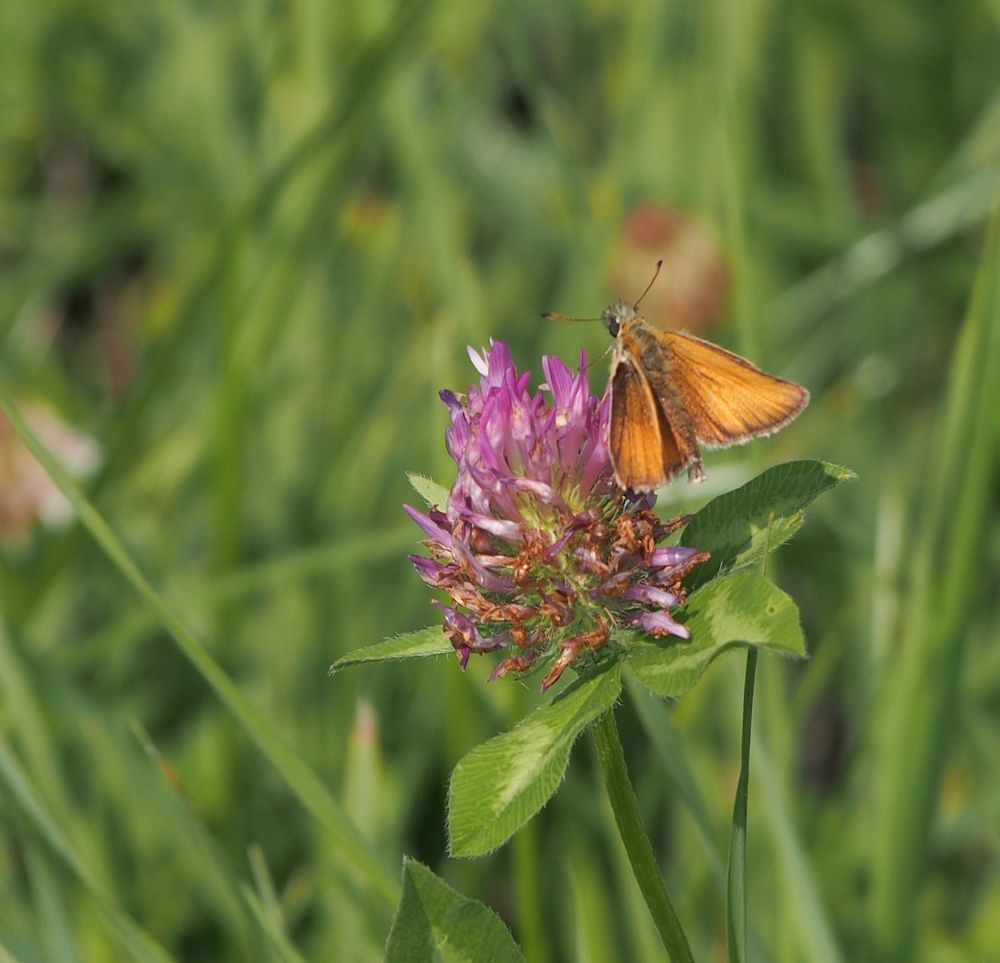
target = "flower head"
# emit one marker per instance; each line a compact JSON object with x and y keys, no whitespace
{"x":27,"y":493}
{"x":692,"y":258}
{"x":538,"y":549}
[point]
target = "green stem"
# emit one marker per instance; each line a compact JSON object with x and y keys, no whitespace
{"x":736,"y":870}
{"x":736,"y":890}
{"x":637,"y":845}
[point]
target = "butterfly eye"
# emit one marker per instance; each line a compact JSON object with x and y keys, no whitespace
{"x":613,"y":327}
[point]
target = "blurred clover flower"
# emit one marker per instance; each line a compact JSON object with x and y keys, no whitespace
{"x":693,"y":259}
{"x":27,"y":493}
{"x":537,"y":548}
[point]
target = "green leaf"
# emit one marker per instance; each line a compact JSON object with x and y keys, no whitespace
{"x":501,"y":784}
{"x":435,"y":495}
{"x":411,"y":645}
{"x":734,"y":527}
{"x":741,"y":609}
{"x":434,"y":922}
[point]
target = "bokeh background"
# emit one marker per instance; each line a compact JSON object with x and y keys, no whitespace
{"x":242,"y":245}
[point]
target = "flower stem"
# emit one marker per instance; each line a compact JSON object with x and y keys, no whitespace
{"x":736,"y":890}
{"x":637,"y":845}
{"x":736,"y":870}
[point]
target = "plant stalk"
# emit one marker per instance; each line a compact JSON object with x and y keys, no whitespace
{"x":736,"y":890}
{"x":637,"y":844}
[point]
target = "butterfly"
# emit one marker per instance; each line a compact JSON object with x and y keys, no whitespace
{"x":671,"y":393}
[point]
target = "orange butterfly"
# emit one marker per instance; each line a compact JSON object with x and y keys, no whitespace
{"x":672,"y":391}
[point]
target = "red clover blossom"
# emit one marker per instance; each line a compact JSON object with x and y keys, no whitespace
{"x":538,"y":549}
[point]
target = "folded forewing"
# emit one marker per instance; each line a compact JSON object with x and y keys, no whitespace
{"x":643,"y":451}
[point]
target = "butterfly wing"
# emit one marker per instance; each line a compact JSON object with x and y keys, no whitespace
{"x":729,"y":400}
{"x":644,"y":453}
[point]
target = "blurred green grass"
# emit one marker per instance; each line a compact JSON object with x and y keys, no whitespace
{"x":243,"y":245}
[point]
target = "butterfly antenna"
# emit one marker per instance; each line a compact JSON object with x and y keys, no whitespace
{"x":656,"y":274}
{"x":553,"y":316}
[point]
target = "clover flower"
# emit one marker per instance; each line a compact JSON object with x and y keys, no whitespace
{"x":539,"y":551}
{"x":27,"y":493}
{"x":692,"y":258}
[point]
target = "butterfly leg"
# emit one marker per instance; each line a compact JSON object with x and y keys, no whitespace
{"x":687,"y":445}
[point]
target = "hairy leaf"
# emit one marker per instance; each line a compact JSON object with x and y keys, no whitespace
{"x":434,"y":922}
{"x":501,"y":784}
{"x":740,"y":526}
{"x":741,"y":609}
{"x":411,"y":645}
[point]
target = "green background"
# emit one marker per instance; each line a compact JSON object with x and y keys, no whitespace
{"x":242,"y":245}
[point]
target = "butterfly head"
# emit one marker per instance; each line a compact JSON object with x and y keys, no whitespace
{"x":616,"y":315}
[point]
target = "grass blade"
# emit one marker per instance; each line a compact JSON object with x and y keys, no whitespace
{"x":815,"y":935}
{"x":132,"y":938}
{"x":948,"y":553}
{"x":299,"y":776}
